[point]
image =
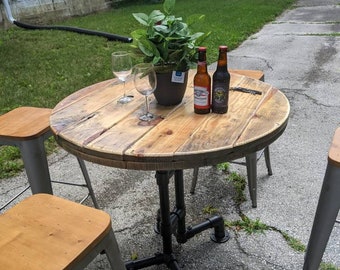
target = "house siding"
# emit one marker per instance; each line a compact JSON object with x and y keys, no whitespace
{"x":46,"y":11}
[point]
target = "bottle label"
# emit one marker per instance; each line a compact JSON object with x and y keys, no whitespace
{"x":201,"y":63}
{"x":201,"y":97}
{"x":178,"y":77}
{"x":219,"y":95}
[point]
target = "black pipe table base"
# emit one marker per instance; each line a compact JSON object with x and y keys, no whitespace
{"x":173,"y":222}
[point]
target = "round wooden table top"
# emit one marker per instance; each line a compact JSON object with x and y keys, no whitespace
{"x":92,"y":125}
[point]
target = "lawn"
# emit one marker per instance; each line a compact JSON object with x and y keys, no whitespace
{"x":41,"y":67}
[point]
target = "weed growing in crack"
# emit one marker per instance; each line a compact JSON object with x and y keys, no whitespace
{"x":254,"y":226}
{"x":248,"y":225}
{"x":239,"y":183}
{"x":328,"y":266}
{"x":291,"y":241}
{"x":210,"y":210}
{"x":225,"y":166}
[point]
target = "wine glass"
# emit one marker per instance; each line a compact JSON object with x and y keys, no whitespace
{"x":144,"y":77}
{"x":122,"y":68}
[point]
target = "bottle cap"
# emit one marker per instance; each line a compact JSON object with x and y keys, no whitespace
{"x":201,"y":49}
{"x":223,"y":47}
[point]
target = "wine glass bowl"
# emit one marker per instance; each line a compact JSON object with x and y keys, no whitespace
{"x":122,"y":68}
{"x":144,"y":77}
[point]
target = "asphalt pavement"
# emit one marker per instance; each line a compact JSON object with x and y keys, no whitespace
{"x":300,"y":54}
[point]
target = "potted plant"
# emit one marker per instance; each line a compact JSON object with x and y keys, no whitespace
{"x":167,"y":42}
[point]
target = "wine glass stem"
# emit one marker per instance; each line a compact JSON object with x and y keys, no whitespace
{"x":147,"y":105}
{"x":124,"y":88}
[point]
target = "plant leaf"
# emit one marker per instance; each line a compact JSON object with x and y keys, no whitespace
{"x":156,"y":16}
{"x":147,"y":47}
{"x":169,"y":6}
{"x":202,"y":38}
{"x":163,"y":50}
{"x":161,"y":28}
{"x":196,"y":35}
{"x":142,"y":18}
{"x":138,"y":34}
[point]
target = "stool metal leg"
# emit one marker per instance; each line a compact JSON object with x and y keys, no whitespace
{"x":113,"y":254}
{"x":326,"y":214}
{"x":267,"y":159}
{"x":194,"y":180}
{"x":35,"y":161}
{"x":110,"y":247}
{"x":251,"y":161}
{"x":88,"y":181}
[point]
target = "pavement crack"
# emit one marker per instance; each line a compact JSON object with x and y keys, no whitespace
{"x":302,"y":92}
{"x":132,"y":226}
{"x":268,"y":65}
{"x":250,"y":255}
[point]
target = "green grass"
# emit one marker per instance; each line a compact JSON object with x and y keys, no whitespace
{"x":41,"y":67}
{"x":10,"y":161}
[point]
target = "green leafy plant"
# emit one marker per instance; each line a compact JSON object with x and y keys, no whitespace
{"x":67,"y":61}
{"x":166,"y":40}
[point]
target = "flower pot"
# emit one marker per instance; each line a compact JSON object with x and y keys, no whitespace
{"x":171,"y":87}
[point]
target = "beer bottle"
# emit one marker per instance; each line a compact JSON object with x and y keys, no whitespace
{"x":202,"y":84}
{"x":221,"y":81}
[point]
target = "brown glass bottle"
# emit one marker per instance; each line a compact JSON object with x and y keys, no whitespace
{"x":202,"y":84}
{"x":221,"y":82}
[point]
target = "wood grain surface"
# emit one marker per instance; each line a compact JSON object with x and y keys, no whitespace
{"x":24,"y":123}
{"x":334,"y":151}
{"x":91,"y":124}
{"x":47,"y":232}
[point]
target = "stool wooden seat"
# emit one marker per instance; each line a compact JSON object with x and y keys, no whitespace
{"x":327,"y":209}
{"x":251,"y":159}
{"x":28,"y":128}
{"x":47,"y":232}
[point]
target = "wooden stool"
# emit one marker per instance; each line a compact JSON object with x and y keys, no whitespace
{"x":47,"y":232}
{"x":28,"y":128}
{"x":251,"y":159}
{"x":327,"y":209}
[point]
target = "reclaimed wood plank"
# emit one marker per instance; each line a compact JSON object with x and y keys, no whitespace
{"x":84,"y":107}
{"x":269,"y":116}
{"x":107,"y":134}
